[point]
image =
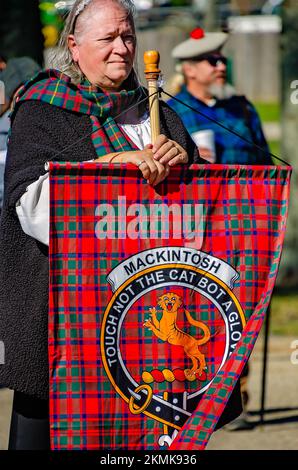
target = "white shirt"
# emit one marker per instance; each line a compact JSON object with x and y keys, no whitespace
{"x":138,"y":129}
{"x":33,"y":207}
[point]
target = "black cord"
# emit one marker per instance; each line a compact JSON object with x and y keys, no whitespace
{"x":161,"y":90}
{"x":224,"y":127}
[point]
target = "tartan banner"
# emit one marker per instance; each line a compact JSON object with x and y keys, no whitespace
{"x":157,"y":296}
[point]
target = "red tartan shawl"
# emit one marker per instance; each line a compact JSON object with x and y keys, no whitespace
{"x":53,"y":87}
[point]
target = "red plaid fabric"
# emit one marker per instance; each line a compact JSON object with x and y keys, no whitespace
{"x":157,"y":296}
{"x":55,"y":88}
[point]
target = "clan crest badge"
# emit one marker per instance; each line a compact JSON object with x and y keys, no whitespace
{"x":158,"y":333}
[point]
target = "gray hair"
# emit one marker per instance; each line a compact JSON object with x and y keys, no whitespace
{"x":63,"y":58}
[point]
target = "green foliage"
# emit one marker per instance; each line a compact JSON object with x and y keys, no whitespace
{"x":269,"y":112}
{"x":275,"y":148}
{"x":284,"y":314}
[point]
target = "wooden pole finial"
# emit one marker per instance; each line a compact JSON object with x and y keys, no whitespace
{"x":151,"y":61}
{"x":152,"y":71}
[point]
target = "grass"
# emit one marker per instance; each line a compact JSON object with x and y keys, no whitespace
{"x":269,"y":112}
{"x":284,"y":315}
{"x":275,"y":148}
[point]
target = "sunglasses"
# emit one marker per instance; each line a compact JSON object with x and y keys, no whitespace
{"x":215,"y":60}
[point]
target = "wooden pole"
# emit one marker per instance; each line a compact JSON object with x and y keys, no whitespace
{"x":151,"y":60}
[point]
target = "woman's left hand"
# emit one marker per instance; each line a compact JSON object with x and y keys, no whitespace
{"x":168,"y":152}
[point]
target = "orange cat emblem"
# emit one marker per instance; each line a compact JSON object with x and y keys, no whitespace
{"x":166,"y":329}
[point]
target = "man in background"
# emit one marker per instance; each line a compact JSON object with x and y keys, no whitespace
{"x":205,"y":89}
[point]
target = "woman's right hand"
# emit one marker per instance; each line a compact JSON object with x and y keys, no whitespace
{"x":153,"y":171}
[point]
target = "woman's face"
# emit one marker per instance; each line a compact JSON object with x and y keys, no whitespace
{"x":104,"y":44}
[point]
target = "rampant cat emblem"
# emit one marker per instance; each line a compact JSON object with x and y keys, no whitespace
{"x":166,"y":329}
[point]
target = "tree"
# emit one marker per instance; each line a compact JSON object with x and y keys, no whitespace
{"x":20,"y":29}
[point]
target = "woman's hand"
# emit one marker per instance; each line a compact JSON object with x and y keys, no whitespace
{"x":152,"y":170}
{"x":168,"y":152}
{"x":155,"y":161}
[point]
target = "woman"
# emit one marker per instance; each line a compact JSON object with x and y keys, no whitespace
{"x":69,"y":116}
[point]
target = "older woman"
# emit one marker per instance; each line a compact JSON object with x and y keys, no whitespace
{"x":91,"y":108}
